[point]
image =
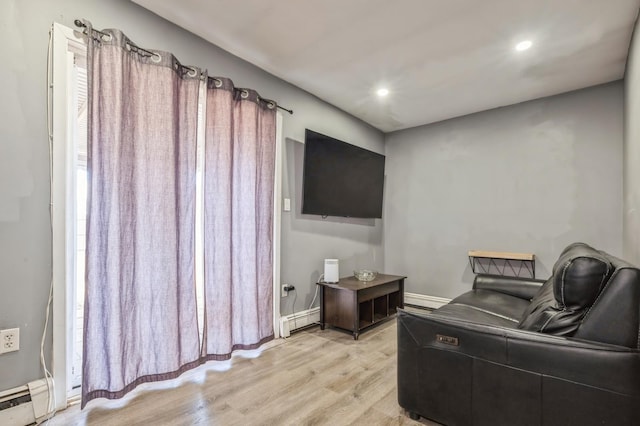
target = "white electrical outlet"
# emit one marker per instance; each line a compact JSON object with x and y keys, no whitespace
{"x":9,"y":340}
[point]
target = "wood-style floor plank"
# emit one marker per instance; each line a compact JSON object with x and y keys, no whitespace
{"x":315,"y":377}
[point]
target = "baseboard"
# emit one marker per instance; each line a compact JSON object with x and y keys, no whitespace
{"x":289,"y":323}
{"x":25,"y":404}
{"x":295,"y":321}
{"x":425,"y":301}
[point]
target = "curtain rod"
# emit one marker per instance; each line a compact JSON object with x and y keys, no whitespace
{"x":81,"y":24}
{"x":290,"y":111}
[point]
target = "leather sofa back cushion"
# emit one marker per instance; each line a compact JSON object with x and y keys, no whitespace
{"x":578,"y":277}
{"x":544,"y":315}
{"x":579,"y":280}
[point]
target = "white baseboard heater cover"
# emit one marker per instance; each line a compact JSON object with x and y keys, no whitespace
{"x":289,"y":323}
{"x":425,"y":301}
{"x":25,"y":405}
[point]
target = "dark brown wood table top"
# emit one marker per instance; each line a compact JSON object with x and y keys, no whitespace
{"x":352,"y":283}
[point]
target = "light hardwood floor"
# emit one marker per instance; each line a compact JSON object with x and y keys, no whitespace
{"x":314,"y":377}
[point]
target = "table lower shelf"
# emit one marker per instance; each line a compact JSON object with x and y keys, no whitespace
{"x":362,"y":326}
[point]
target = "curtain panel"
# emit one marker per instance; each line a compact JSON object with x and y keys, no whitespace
{"x":238,"y":219}
{"x":140,"y":320}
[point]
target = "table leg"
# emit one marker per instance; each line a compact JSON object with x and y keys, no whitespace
{"x":321,"y":307}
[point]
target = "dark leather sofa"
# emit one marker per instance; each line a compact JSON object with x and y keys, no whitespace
{"x":516,"y":351}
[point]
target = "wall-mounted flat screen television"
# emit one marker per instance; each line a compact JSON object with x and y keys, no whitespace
{"x":340,"y":179}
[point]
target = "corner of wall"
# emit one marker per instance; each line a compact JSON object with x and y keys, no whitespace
{"x":631,"y":165}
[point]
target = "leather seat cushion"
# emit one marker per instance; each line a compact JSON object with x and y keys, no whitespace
{"x":486,"y":307}
{"x":471,"y":314}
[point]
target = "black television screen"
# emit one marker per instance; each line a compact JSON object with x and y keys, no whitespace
{"x":340,"y":179}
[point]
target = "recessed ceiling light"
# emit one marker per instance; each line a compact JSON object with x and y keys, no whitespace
{"x":382,"y":92}
{"x":523,"y":45}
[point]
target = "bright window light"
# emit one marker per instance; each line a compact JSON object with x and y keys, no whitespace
{"x":523,"y":45}
{"x":382,"y":92}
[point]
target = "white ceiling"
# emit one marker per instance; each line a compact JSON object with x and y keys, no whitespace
{"x":438,"y":58}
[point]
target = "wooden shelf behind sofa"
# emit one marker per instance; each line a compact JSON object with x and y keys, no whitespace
{"x":501,"y":261}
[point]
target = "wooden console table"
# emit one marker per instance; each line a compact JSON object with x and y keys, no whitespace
{"x":354,"y":305}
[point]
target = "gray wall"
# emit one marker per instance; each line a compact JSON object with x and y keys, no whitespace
{"x":532,"y":177}
{"x":308,"y":239}
{"x":25,"y":264}
{"x":632,"y":152}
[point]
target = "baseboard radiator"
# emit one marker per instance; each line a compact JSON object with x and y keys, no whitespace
{"x":425,"y":301}
{"x":25,"y":405}
{"x":298,"y":320}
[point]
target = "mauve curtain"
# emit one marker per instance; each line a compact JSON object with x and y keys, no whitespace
{"x":238,"y":219}
{"x":140,"y":320}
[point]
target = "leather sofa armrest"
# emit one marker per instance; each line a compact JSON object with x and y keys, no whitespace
{"x":524,"y":288}
{"x":456,"y":371}
{"x":592,"y":363}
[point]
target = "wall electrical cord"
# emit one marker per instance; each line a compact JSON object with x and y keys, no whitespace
{"x":315,"y":296}
{"x":48,"y":377}
{"x":293,"y":309}
{"x":295,"y":297}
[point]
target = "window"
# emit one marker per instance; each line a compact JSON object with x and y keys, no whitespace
{"x":68,"y":109}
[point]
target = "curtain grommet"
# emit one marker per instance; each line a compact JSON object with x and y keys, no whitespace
{"x":106,"y":37}
{"x":156,"y":58}
{"x":192,"y":72}
{"x":217,"y":82}
{"x":244,"y":94}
